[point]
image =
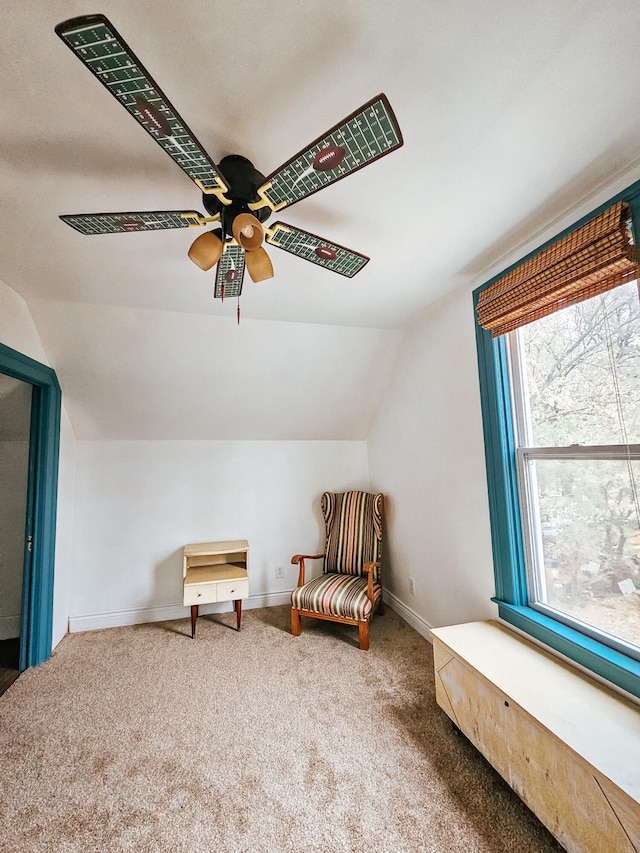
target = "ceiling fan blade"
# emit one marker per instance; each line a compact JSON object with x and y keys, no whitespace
{"x":105,"y":53}
{"x":119,"y":223}
{"x":229,"y":273}
{"x":259,"y":264}
{"x":366,"y":135}
{"x":312,"y":248}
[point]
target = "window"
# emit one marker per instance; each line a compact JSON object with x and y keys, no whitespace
{"x":574,"y":378}
{"x":561,"y":413}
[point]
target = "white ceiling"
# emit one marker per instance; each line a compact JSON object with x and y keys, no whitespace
{"x":513,"y":114}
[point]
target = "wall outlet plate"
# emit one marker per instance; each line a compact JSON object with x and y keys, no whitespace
{"x":279,"y":571}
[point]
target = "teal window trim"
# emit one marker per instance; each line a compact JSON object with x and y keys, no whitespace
{"x":43,"y":493}
{"x":504,"y":504}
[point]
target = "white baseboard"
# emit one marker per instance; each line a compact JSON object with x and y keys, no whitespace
{"x":164,"y":613}
{"x":410,"y":616}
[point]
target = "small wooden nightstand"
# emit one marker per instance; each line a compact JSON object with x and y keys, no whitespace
{"x":215,"y":571}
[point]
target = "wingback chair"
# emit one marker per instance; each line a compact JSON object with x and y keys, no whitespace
{"x":348,"y":590}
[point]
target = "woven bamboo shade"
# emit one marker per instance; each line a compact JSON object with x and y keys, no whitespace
{"x":590,"y":260}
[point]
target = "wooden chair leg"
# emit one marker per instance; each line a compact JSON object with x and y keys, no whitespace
{"x":194,"y":616}
{"x":296,"y":623}
{"x":363,"y":635}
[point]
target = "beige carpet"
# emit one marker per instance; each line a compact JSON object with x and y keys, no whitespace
{"x":142,"y":739}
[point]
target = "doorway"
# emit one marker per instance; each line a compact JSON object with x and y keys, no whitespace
{"x":15,"y":526}
{"x":32,"y":429}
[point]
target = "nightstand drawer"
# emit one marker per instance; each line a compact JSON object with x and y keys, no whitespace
{"x":200,"y":593}
{"x":234,"y":589}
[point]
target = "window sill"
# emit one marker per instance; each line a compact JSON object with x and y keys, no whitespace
{"x":609,"y":664}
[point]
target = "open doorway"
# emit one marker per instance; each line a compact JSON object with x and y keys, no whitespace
{"x":15,"y":527}
{"x":40,"y":395}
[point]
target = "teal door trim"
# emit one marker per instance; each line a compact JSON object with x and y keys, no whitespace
{"x":42,"y":497}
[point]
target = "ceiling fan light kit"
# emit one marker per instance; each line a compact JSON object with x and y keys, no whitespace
{"x":206,"y":249}
{"x":259,"y":265}
{"x":237,"y":197}
{"x":247,"y":231}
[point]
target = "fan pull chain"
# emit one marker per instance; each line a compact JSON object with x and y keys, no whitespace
{"x":222,"y":291}
{"x":238,"y":310}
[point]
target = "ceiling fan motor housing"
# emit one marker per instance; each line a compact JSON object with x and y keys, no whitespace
{"x":243,"y":179}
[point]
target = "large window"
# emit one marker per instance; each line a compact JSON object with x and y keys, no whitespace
{"x":575,"y":380}
{"x":561,"y":409}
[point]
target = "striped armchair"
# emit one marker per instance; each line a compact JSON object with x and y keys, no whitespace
{"x":348,"y":590}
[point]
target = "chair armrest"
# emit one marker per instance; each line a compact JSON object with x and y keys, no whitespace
{"x":300,"y":558}
{"x":367,"y":569}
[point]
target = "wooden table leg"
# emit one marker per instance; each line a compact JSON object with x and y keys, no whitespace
{"x":194,"y":616}
{"x":237,"y":606}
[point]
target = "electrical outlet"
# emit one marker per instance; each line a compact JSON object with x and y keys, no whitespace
{"x":279,"y":571}
{"x":412,"y":586}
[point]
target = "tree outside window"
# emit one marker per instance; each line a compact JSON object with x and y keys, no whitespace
{"x":575,"y":389}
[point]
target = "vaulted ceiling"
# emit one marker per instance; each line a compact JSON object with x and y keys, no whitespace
{"x":512,"y":114}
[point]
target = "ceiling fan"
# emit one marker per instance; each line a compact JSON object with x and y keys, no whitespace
{"x":237,"y":197}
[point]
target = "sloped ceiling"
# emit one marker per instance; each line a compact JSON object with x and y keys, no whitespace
{"x":512,"y":114}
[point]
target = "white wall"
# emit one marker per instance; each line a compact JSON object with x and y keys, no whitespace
{"x":14,"y":459}
{"x":140,"y":502}
{"x":64,"y":529}
{"x":15,"y":420}
{"x":426,"y":453}
{"x":18,"y":331}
